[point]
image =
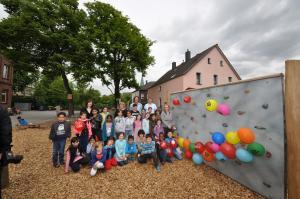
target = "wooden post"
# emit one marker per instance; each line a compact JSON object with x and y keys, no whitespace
{"x":292,"y":115}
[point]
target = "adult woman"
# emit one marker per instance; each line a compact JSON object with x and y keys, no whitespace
{"x":167,"y":118}
{"x":136,"y":101}
{"x":122,"y":107}
{"x":88,"y":109}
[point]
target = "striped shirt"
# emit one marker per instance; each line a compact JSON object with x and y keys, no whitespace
{"x":147,"y":148}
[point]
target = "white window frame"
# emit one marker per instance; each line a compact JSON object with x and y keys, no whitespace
{"x":4,"y":93}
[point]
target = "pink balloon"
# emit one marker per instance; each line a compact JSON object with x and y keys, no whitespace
{"x":215,"y":147}
{"x":223,"y":109}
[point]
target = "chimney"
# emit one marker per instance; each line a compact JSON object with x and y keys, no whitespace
{"x":187,"y":55}
{"x":173,"y":65}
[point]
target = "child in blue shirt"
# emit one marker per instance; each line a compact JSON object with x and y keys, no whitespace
{"x":131,"y":148}
{"x":120,"y":150}
{"x":147,"y":151}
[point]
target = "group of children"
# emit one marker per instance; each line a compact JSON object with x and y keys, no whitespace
{"x":102,"y":141}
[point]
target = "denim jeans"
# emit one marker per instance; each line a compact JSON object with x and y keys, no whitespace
{"x":58,"y":151}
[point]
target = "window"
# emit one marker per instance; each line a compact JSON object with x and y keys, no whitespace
{"x":221,"y":63}
{"x":159,"y":88}
{"x":160,"y":102}
{"x":215,"y":79}
{"x":142,"y":96}
{"x":230,"y":79}
{"x":5,"y":72}
{"x":4,"y":94}
{"x":208,"y":61}
{"x":198,"y":78}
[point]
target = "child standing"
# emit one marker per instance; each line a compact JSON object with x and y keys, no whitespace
{"x":176,"y":151}
{"x":161,"y":149}
{"x":96,"y":121}
{"x":137,"y":125}
{"x":110,"y":153}
{"x":98,"y":158}
{"x":158,"y":129}
{"x":148,"y":152}
{"x":60,"y":131}
{"x":75,"y":156}
{"x":131,"y":148}
{"x":104,"y":114}
{"x":119,"y":123}
{"x":108,"y":128}
{"x":129,"y":120}
{"x":152,"y":123}
{"x":134,"y":111}
{"x":120,"y":150}
{"x":83,"y":130}
{"x":146,"y":124}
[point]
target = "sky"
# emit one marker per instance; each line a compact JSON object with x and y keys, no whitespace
{"x":257,"y":36}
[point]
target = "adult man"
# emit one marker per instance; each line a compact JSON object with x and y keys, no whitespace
{"x":150,"y":104}
{"x":6,"y":156}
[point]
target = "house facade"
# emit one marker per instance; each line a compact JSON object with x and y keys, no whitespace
{"x":208,"y":68}
{"x":6,"y":82}
{"x":142,"y":92}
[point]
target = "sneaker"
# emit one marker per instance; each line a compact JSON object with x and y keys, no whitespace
{"x":158,"y":168}
{"x":93,"y":171}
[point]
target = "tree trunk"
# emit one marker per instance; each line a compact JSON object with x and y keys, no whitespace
{"x":70,"y":94}
{"x":117,"y":93}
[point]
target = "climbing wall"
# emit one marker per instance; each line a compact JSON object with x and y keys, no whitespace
{"x":255,"y":104}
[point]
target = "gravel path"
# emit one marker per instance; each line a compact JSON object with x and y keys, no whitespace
{"x":36,"y":178}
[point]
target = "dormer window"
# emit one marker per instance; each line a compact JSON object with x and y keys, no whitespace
{"x":221,"y":63}
{"x":208,"y":61}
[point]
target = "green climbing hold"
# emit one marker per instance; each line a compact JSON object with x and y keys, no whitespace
{"x":256,"y":149}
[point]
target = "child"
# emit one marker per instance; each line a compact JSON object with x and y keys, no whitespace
{"x":90,"y":148}
{"x":104,"y":114}
{"x":83,"y":130}
{"x":141,"y":139}
{"x":176,"y":151}
{"x":98,"y":158}
{"x":129,"y":120}
{"x":75,"y":156}
{"x":143,"y":113}
{"x":119,"y":123}
{"x":60,"y":131}
{"x":96,"y":121}
{"x":134,"y":111}
{"x":110,"y":152}
{"x":145,"y":124}
{"x":120,"y":150}
{"x":148,"y":152}
{"x":149,"y":110}
{"x":158,"y":129}
{"x":108,"y":128}
{"x":161,"y":151}
{"x":137,"y":125}
{"x":152,"y":123}
{"x":131,"y":148}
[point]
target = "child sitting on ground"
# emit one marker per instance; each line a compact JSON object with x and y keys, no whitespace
{"x":110,"y":153}
{"x":75,"y":156}
{"x":120,"y":150}
{"x":90,"y":148}
{"x":147,"y":151}
{"x":131,"y":148}
{"x":98,"y":158}
{"x":170,"y":141}
{"x":60,"y":131}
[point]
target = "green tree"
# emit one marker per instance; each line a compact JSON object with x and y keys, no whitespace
{"x":120,"y":48}
{"x":48,"y":36}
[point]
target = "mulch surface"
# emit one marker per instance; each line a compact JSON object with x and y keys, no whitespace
{"x":35,"y":177}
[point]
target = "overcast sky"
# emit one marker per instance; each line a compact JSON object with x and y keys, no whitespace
{"x":257,"y":36}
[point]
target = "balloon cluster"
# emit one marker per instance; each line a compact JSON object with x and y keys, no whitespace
{"x":213,"y":105}
{"x":233,"y":145}
{"x":186,"y":99}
